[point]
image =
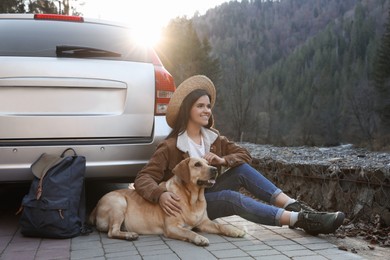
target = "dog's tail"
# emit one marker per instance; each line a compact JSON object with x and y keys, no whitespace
{"x":92,"y":217}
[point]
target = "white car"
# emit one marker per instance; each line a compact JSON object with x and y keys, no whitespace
{"x":68,"y":81}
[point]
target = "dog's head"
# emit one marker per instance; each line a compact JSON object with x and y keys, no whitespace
{"x":196,"y":171}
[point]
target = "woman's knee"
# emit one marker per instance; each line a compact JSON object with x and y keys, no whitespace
{"x":223,"y":196}
{"x":242,"y":170}
{"x":223,"y":203}
{"x":244,"y":166}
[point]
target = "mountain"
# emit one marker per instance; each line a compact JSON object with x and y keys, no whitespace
{"x":296,"y":72}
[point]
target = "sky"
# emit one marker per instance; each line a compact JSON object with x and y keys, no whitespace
{"x":147,"y":17}
{"x":158,"y":12}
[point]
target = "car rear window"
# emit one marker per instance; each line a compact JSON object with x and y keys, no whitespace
{"x":41,"y":38}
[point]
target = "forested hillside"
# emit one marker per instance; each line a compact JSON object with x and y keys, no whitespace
{"x":287,"y":72}
{"x":294,"y":72}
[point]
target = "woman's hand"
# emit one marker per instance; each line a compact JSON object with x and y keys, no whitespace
{"x":169,"y":203}
{"x":214,"y":159}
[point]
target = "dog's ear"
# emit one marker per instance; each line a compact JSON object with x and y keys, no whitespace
{"x":182,"y":170}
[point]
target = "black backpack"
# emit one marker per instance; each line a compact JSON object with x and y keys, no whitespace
{"x":55,"y":204}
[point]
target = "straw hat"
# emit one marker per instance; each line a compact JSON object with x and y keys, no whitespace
{"x":185,"y":88}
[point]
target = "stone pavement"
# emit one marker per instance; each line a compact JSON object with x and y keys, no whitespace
{"x":261,"y":242}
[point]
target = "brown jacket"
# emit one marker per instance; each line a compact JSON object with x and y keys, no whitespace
{"x":168,"y":155}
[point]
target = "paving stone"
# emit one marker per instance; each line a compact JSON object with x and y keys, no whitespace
{"x":255,"y":247}
{"x":280,"y":242}
{"x":161,"y":246}
{"x":119,"y":248}
{"x":91,"y":237}
{"x":176,"y":245}
{"x":30,"y":245}
{"x":248,"y":226}
{"x":221,"y":246}
{"x":53,"y":254}
{"x":267,"y":253}
{"x":55,"y":244}
{"x":217,"y":238}
{"x":247,"y":242}
{"x":262,"y":232}
{"x":288,"y":232}
{"x":109,"y":241}
{"x":144,"y":238}
{"x":4,"y":241}
{"x":273,"y":257}
{"x":156,"y":252}
{"x":312,"y":257}
{"x":147,"y":242}
{"x":7,"y":230}
{"x":231,"y":253}
{"x":276,"y":228}
{"x":333,"y":252}
{"x":240,"y":258}
{"x":291,"y":247}
{"x":122,"y":254}
{"x":318,"y":246}
{"x":80,"y":245}
{"x":95,"y":258}
{"x":268,"y":238}
{"x":162,"y":257}
{"x":199,"y":255}
{"x":308,"y":240}
{"x":303,"y":252}
{"x":346,"y":256}
{"x":260,"y":242}
{"x":185,"y":250}
{"x":86,"y":253}
{"x":16,"y":255}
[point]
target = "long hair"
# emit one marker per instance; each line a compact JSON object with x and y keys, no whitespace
{"x":184,"y":112}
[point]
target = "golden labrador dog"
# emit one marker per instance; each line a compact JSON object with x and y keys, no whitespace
{"x":124,"y":214}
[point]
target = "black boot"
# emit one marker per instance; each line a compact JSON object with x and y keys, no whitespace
{"x":315,"y":223}
{"x":299,"y":206}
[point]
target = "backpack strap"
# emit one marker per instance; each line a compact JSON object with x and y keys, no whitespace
{"x":85,"y":228}
{"x":68,"y":149}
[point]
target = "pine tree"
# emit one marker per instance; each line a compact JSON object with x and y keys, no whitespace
{"x":12,"y":6}
{"x":184,"y":55}
{"x":382,"y":76}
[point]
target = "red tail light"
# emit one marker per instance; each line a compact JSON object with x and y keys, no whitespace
{"x":165,"y":86}
{"x":59,"y":17}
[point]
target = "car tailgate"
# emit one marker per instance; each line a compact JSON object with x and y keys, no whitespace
{"x":80,"y":98}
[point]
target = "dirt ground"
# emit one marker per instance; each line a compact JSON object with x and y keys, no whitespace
{"x":360,"y":247}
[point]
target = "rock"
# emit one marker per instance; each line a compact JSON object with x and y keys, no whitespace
{"x":352,"y":180}
{"x":342,"y":247}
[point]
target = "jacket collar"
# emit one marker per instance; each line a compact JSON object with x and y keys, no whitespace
{"x":208,"y":135}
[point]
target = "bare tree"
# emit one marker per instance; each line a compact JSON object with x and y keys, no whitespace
{"x":362,"y":106}
{"x":241,"y":89}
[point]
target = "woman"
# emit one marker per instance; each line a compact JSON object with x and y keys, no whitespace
{"x":189,"y":115}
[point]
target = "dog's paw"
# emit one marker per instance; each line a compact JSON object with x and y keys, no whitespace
{"x":240,"y":233}
{"x":131,"y":236}
{"x":201,"y":241}
{"x":235,"y":232}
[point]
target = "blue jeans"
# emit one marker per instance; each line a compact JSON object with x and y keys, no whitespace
{"x":224,"y":198}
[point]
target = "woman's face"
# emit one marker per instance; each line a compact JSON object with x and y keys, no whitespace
{"x":201,"y":111}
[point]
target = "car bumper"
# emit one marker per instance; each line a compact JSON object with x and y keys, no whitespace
{"x":104,"y":160}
